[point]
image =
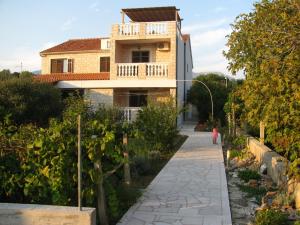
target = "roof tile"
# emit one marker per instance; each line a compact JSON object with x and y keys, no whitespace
{"x":55,"y":77}
{"x":76,"y":45}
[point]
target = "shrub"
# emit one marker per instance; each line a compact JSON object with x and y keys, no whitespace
{"x":247,"y":175}
{"x":271,"y":217}
{"x":235,"y":153}
{"x":156,"y":124}
{"x":28,"y":101}
{"x":239,"y":142}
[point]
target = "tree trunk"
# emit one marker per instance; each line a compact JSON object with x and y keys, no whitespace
{"x":101,"y":203}
{"x":127,"y":177}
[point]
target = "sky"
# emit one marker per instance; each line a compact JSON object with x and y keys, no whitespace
{"x":30,"y":26}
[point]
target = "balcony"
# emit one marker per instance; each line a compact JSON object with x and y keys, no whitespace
{"x":143,"y":29}
{"x":140,"y":70}
{"x":130,"y":113}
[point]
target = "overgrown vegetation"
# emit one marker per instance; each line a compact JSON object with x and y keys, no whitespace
{"x":271,"y":216}
{"x":265,"y":45}
{"x":38,"y":164}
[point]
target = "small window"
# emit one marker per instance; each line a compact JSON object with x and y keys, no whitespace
{"x":62,"y":65}
{"x":104,"y":64}
{"x":137,"y":98}
{"x":105,"y":44}
{"x":140,"y":56}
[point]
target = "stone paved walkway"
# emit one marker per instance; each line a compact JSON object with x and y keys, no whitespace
{"x":190,"y":190}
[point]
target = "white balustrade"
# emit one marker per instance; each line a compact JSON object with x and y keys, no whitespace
{"x":129,"y":29}
{"x":156,"y":69}
{"x":156,"y":28}
{"x":130,"y":113}
{"x":128,"y":70}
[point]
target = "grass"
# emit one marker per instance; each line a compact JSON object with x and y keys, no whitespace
{"x":247,"y":175}
{"x":257,"y":192}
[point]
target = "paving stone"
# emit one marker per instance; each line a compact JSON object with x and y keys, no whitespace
{"x":190,"y":190}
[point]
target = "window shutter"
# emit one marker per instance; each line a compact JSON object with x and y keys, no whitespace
{"x":71,"y":65}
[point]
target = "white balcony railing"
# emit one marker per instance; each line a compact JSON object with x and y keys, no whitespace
{"x":156,"y":70}
{"x":130,"y":113}
{"x":153,"y":28}
{"x":129,"y":29}
{"x":142,"y":69}
{"x":156,"y":28}
{"x":128,"y":69}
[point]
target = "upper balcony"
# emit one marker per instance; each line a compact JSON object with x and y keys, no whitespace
{"x":144,"y":30}
{"x":147,"y":23}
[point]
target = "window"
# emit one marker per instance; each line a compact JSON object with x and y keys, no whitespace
{"x":62,"y":65}
{"x":105,"y":44}
{"x":104,"y":64}
{"x":140,"y":56}
{"x":137,"y":98}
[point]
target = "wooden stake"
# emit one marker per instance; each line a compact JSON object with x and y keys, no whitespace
{"x":79,"y":162}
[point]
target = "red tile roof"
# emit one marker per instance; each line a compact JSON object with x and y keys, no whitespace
{"x":76,"y":45}
{"x":55,"y":77}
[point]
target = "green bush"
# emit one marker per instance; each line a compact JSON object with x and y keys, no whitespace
{"x":156,"y":124}
{"x":271,"y":217}
{"x":239,"y":142}
{"x":27,"y":101}
{"x":247,"y":175}
{"x":235,"y":153}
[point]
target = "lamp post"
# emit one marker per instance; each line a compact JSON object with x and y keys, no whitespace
{"x":211,"y":98}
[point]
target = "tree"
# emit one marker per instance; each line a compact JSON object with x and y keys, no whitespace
{"x":28,"y":101}
{"x":199,"y":96}
{"x":265,"y":43}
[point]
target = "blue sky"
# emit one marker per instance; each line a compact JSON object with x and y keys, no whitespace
{"x":29,"y":26}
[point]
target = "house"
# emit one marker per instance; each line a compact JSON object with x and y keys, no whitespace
{"x":146,"y":59}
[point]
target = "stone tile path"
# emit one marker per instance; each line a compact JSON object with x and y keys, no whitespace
{"x":190,"y":190}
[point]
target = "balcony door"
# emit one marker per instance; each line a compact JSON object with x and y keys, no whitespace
{"x":140,"y":56}
{"x":138,"y":98}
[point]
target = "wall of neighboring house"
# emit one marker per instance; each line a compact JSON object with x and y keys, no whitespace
{"x":180,"y":76}
{"x":99,"y":96}
{"x":189,"y":76}
{"x":84,"y":62}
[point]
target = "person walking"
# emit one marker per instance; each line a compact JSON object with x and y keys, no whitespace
{"x":215,"y":134}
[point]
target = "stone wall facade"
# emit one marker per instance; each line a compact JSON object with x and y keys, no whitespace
{"x":29,"y":214}
{"x":84,"y":62}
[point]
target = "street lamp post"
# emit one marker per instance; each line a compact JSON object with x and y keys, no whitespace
{"x":211,"y":98}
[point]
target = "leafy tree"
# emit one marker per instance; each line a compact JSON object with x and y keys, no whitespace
{"x":28,"y":101}
{"x":199,"y":96}
{"x":265,"y":43}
